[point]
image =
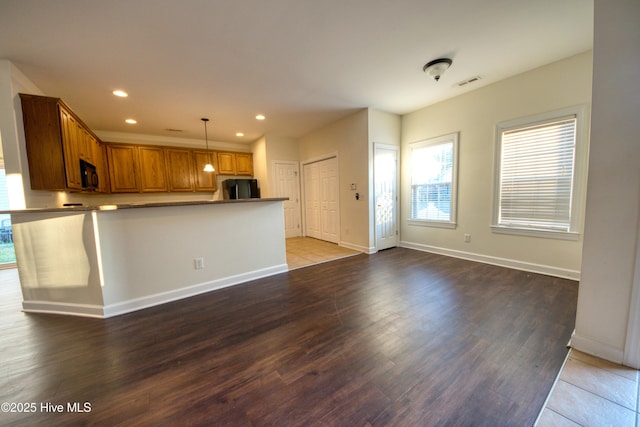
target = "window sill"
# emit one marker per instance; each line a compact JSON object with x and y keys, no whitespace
{"x":427,"y":223}
{"x":547,"y":234}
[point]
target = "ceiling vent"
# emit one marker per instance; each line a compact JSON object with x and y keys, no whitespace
{"x":468,"y":81}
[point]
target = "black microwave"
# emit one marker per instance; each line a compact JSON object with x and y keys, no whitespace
{"x":88,"y":175}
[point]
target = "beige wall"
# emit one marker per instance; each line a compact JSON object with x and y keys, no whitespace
{"x":13,"y":82}
{"x":277,"y":149}
{"x":607,"y":325}
{"x":281,"y":149}
{"x":475,"y":115}
{"x":351,"y":140}
{"x":348,"y":139}
{"x":260,"y":170}
{"x":384,"y":128}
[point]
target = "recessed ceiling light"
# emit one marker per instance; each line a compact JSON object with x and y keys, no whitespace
{"x":131,"y":121}
{"x":239,"y":134}
{"x":260,"y":117}
{"x":120,"y":93}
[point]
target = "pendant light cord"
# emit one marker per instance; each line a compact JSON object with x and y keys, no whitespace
{"x":206,"y":138}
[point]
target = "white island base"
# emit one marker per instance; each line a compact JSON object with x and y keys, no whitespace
{"x":102,"y":262}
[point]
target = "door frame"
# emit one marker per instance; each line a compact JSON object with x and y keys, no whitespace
{"x":303,"y":197}
{"x":396,"y":210}
{"x":631,"y":353}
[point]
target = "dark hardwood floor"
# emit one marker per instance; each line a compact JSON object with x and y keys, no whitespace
{"x":399,"y":338}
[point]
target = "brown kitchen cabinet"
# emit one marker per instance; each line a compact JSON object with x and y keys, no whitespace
{"x":232,"y":163}
{"x":99,"y":156}
{"x":204,"y":181}
{"x":226,"y":163}
{"x":71,"y":140}
{"x":152,"y":167}
{"x":123,"y":165}
{"x":144,"y":168}
{"x":56,"y":141}
{"x":244,"y":164}
{"x":179,"y":164}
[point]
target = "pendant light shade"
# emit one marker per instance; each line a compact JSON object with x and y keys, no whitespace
{"x":208,"y":167}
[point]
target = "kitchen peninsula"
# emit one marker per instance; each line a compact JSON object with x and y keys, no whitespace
{"x":108,"y":260}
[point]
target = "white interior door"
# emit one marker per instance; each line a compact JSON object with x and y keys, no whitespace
{"x":386,"y":196}
{"x":312,"y":200}
{"x":328,"y":170}
{"x":321,"y":200}
{"x":288,"y":185}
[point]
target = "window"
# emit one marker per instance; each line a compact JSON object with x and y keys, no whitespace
{"x":433,"y":181}
{"x":7,"y":253}
{"x":539,"y":169}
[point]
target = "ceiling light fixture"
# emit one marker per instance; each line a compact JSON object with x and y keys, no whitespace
{"x":260,"y":117}
{"x":131,"y":121}
{"x":238,"y":134}
{"x":208,"y":167}
{"x":437,"y":67}
{"x":120,"y":93}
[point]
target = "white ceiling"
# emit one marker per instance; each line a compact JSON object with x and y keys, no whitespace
{"x":302,"y":63}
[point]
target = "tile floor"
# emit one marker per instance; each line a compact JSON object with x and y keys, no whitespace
{"x":305,"y":251}
{"x":592,"y":392}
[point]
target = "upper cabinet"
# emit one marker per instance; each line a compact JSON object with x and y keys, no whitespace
{"x":226,"y":163}
{"x":232,"y":163}
{"x":71,"y":139}
{"x":244,"y":164}
{"x":123,"y":170}
{"x":148,"y":168}
{"x":56,"y":141}
{"x":179,"y":165}
{"x":153,"y":169}
{"x":204,"y":181}
{"x":137,"y":168}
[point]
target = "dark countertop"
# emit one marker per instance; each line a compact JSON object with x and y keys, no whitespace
{"x":116,"y":206}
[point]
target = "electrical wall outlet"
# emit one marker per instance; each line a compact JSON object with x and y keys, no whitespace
{"x":198,"y":263}
{"x":467,"y":238}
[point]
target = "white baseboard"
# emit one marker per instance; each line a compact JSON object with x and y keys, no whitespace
{"x":177,"y":294}
{"x":596,"y":348}
{"x":502,"y":262}
{"x":364,"y":249}
{"x":128,"y":306}
{"x":65,"y":308}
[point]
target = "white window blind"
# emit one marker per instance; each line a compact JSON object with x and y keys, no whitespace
{"x":536,"y":175}
{"x":433,"y":180}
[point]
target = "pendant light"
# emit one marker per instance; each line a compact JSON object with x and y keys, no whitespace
{"x":208,"y":167}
